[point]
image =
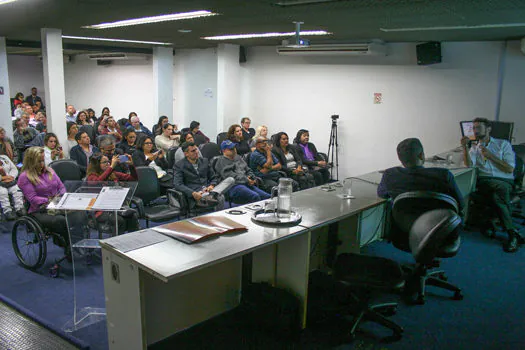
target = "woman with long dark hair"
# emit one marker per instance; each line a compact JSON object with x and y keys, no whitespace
{"x":311,"y":158}
{"x":291,"y":161}
{"x":234,"y":134}
{"x":147,"y":155}
{"x":105,"y":113}
{"x":157,"y":128}
{"x":52,"y":149}
{"x":128,"y":145}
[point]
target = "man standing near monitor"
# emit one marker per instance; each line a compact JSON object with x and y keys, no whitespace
{"x":495,"y":161}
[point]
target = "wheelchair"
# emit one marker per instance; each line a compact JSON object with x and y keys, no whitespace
{"x":29,"y":240}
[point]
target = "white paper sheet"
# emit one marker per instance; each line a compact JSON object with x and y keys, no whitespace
{"x":76,"y":201}
{"x":111,"y":198}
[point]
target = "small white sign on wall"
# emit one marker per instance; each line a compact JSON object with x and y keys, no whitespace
{"x":208,"y":93}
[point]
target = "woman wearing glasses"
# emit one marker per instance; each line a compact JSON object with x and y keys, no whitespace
{"x":147,"y":155}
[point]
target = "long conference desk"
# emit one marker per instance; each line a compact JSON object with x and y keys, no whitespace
{"x":156,"y":286}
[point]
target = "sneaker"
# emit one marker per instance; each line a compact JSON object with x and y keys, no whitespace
{"x":10,"y":215}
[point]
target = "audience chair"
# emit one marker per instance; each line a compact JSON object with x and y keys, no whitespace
{"x":221,"y":137}
{"x":170,"y":156}
{"x":210,"y":150}
{"x":427,"y":225}
{"x":363,"y":275}
{"x":66,"y":169}
{"x":146,"y":194}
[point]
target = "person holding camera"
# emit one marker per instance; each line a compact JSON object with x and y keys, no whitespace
{"x":52,"y":149}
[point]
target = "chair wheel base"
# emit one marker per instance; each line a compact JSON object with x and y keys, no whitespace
{"x":54,"y":271}
{"x":457,"y":296}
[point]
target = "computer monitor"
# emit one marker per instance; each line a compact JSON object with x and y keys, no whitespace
{"x":467,"y":129}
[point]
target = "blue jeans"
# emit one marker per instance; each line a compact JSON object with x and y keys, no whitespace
{"x":246,"y":194}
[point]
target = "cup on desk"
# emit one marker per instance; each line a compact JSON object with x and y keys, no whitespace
{"x":450,"y":158}
{"x":347,"y":187}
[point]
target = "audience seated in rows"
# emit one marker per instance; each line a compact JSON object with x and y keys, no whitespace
{"x":92,"y":118}
{"x":104,"y":113}
{"x":247,"y":132}
{"x":291,"y":162}
{"x":106,"y":145}
{"x":83,"y":119}
{"x":235,"y":134}
{"x":102,"y":168}
{"x":230,"y":164}
{"x":194,"y":177}
{"x":139,"y":128}
{"x":128,"y":144}
{"x":82,"y":151}
{"x":42,"y":121}
{"x":33,"y":98}
{"x":72,"y":130}
{"x":186,"y":137}
{"x":198,"y":136}
{"x":8,"y":187}
{"x":52,"y":149}
{"x":7,"y":147}
{"x":71,"y":114}
{"x":311,"y":158}
{"x":167,"y":139}
{"x":265,"y":164}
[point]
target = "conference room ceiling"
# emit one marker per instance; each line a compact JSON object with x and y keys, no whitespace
{"x":349,"y":21}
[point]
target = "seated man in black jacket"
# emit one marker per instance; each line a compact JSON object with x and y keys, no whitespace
{"x":194,"y":177}
{"x":82,"y":151}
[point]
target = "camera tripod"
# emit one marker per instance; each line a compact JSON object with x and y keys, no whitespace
{"x":333,"y":151}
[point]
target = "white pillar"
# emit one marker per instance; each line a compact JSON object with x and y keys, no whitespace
{"x":228,"y":86}
{"x":163,"y":82}
{"x":5,"y":94}
{"x":53,"y":61}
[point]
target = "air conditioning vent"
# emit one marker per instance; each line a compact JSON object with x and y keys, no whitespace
{"x":370,"y":49}
{"x":108,"y":56}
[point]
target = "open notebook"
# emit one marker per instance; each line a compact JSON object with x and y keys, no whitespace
{"x":200,"y":228}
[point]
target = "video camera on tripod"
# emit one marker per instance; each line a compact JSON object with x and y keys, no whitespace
{"x":333,"y":149}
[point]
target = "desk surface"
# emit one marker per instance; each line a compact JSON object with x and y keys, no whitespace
{"x":171,"y":258}
{"x":319,"y":207}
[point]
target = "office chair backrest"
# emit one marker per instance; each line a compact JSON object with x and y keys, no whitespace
{"x":122,"y":123}
{"x":502,"y":130}
{"x":148,"y":188}
{"x":170,"y":156}
{"x":210,"y":150}
{"x":66,"y":169}
{"x":221,"y":137}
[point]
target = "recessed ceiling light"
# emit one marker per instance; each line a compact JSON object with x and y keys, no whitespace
{"x":184,"y":30}
{"x":286,"y":3}
{"x":481,"y":26}
{"x":154,"y":19}
{"x":3,"y":2}
{"x":114,"y":40}
{"x":265,"y":35}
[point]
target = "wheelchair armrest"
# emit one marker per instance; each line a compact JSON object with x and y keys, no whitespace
{"x":139,"y":204}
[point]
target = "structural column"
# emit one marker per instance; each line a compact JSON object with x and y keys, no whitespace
{"x":228,"y":86}
{"x":5,"y":94}
{"x":163,"y":82}
{"x":53,"y":61}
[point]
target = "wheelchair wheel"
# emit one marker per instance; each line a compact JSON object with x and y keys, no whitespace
{"x":29,"y":242}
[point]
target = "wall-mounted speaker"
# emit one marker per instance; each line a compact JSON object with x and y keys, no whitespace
{"x":428,"y":53}
{"x":242,"y":54}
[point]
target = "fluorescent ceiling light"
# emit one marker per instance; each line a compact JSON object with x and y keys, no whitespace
{"x":3,"y":2}
{"x":114,"y":40}
{"x":154,"y":19}
{"x":286,"y":3}
{"x":264,"y":35}
{"x":481,"y":26}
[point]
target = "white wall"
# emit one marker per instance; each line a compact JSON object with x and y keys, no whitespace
{"x":289,"y":93}
{"x":24,"y":73}
{"x":195,"y":88}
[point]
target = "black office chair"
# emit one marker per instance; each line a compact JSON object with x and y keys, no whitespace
{"x":210,"y":150}
{"x":148,"y":191}
{"x":221,"y":137}
{"x":170,"y":156}
{"x":66,"y":169}
{"x":427,"y":225}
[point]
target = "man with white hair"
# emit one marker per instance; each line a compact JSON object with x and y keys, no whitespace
{"x":71,"y":114}
{"x":139,"y":128}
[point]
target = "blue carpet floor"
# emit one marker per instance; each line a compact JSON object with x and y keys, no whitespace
{"x":491,"y":316}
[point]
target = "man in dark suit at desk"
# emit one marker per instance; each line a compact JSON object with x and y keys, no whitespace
{"x":495,"y":161}
{"x":414,"y":177}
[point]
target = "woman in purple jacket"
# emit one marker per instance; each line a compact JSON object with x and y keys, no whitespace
{"x":40,"y":185}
